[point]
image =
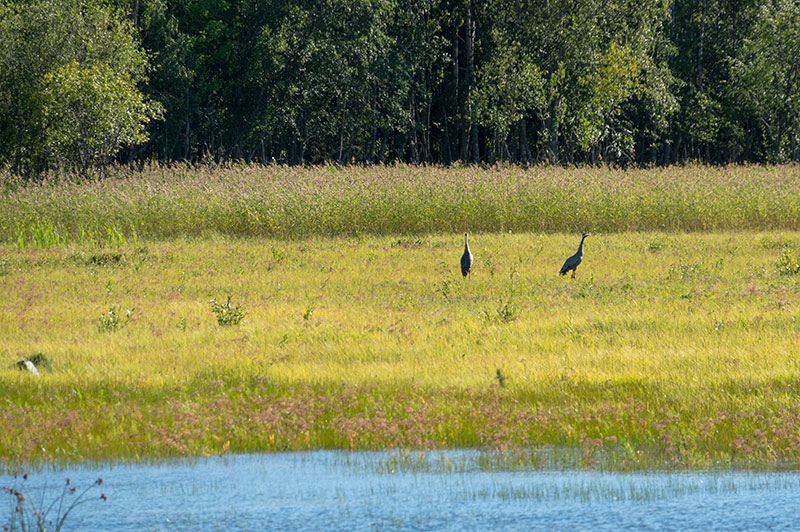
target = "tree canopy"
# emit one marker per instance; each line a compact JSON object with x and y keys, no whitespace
{"x":86,"y":82}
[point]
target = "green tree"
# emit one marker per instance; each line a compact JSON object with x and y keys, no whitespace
{"x":90,"y":113}
{"x":57,"y":57}
{"x":509,"y":86}
{"x":593,"y":60}
{"x":768,"y":77}
{"x":327,"y":79}
{"x":708,"y":36}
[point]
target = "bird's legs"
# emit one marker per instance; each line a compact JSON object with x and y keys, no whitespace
{"x":573,"y":274}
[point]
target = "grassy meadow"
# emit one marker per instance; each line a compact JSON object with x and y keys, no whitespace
{"x":669,"y":349}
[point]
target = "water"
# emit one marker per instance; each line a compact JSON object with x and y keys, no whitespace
{"x":443,"y":491}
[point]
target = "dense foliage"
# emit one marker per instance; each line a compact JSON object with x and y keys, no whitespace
{"x":421,"y":81}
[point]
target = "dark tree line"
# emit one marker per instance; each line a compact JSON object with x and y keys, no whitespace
{"x":83,"y":82}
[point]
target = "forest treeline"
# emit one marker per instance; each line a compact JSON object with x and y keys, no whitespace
{"x":84,"y":83}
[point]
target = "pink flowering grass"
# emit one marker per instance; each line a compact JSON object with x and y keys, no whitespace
{"x":611,"y":432}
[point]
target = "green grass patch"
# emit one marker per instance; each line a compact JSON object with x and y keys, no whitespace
{"x":681,"y":353}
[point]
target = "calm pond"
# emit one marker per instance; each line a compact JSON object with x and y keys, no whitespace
{"x":453,"y":490}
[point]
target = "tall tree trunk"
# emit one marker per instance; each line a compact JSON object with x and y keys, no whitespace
{"x":18,"y":147}
{"x":426,"y":133}
{"x":454,"y":101}
{"x":414,"y":127}
{"x":525,"y":151}
{"x":552,"y":132}
{"x":446,"y":151}
{"x":371,"y":153}
{"x":700,"y":47}
{"x":476,"y":154}
{"x":785,"y":116}
{"x":474,"y":149}
{"x":301,"y":140}
{"x":341,"y":133}
{"x":187,"y":138}
{"x":467,"y":125}
{"x":382,"y":150}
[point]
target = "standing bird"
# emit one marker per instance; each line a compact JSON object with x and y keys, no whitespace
{"x":466,"y":258}
{"x":572,"y":262}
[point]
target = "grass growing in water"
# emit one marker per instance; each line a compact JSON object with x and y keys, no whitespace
{"x":676,"y":354}
{"x":33,"y":513}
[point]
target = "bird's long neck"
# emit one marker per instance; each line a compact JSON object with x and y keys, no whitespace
{"x":466,"y":243}
{"x":580,"y":248}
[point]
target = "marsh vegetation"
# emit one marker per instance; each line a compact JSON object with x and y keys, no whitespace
{"x":199,"y":313}
{"x":669,"y":348}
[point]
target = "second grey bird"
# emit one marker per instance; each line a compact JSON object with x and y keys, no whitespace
{"x":572,"y":262}
{"x":466,"y":258}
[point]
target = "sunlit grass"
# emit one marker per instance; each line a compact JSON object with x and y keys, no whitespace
{"x":297,"y":202}
{"x":668,"y":349}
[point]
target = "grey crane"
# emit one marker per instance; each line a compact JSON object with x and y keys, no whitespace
{"x":466,"y":258}
{"x":572,"y":262}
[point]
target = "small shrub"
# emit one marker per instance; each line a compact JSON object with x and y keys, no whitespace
{"x":448,"y":289}
{"x":487,"y":260}
{"x":506,"y":312}
{"x":226,"y":313}
{"x":684,"y":271}
{"x":655,"y":246}
{"x":105,"y":259}
{"x":410,"y":243}
{"x":112,"y":320}
{"x":277,"y":255}
{"x":773,"y":243}
{"x":788,"y":263}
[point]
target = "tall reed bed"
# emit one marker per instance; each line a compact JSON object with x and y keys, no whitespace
{"x":295,"y":202}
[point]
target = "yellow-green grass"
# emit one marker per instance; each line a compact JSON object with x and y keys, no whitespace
{"x":160,"y":202}
{"x":666,"y":350}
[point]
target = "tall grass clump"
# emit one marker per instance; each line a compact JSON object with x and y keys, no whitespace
{"x":295,"y":202}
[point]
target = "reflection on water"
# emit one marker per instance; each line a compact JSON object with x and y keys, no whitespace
{"x":454,"y":490}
